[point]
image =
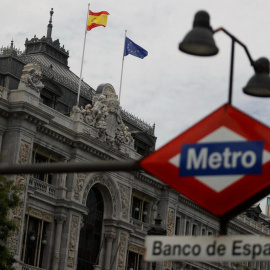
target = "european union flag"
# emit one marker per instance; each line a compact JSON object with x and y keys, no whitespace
{"x":134,"y":49}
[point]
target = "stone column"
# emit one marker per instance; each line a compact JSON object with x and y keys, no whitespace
{"x":60,"y":219}
{"x":109,"y":239}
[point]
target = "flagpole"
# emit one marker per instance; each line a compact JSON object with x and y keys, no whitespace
{"x":122,"y":65}
{"x":80,"y":82}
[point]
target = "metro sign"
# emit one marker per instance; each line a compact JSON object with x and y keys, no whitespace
{"x":219,"y":163}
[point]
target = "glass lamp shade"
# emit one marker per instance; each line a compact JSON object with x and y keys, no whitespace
{"x":199,"y":41}
{"x":44,"y":241}
{"x":259,"y":84}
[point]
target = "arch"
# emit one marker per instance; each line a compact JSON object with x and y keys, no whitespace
{"x":110,"y":193}
{"x":90,"y":241}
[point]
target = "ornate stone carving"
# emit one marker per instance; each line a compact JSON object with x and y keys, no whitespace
{"x":125,"y":198}
{"x":154,"y":211}
{"x":62,"y":178}
{"x":17,"y":212}
{"x":4,"y":92}
{"x":72,"y":240}
{"x":170,"y":231}
{"x":81,"y":177}
{"x":167,"y":265}
{"x":24,"y":152}
{"x":60,"y":218}
{"x":13,"y":240}
{"x":37,"y":213}
{"x":170,"y":221}
{"x":30,"y":78}
{"x":105,"y":115}
{"x":136,"y":249}
{"x":122,"y":252}
{"x":110,"y":236}
{"x":106,"y":181}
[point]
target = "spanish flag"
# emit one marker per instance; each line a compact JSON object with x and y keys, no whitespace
{"x":97,"y":19}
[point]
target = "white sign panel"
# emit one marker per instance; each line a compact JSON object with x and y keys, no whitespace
{"x":207,"y":248}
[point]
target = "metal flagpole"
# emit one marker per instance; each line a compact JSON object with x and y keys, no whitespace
{"x":122,"y":65}
{"x":80,"y":82}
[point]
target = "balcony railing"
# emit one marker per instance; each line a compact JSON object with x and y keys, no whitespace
{"x":254,"y":224}
{"x":42,"y":186}
{"x":29,"y":267}
{"x":141,"y":226}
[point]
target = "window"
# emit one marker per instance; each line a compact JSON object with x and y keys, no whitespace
{"x":134,"y":261}
{"x":139,"y":209}
{"x":48,"y":98}
{"x":34,"y":241}
{"x":177,"y":226}
{"x":187,"y":228}
{"x":194,"y":229}
{"x":203,"y":231}
{"x":43,"y":156}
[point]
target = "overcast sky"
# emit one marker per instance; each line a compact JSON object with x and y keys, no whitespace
{"x":168,"y":88}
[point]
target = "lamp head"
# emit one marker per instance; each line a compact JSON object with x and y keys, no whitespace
{"x":199,"y":41}
{"x":259,"y":84}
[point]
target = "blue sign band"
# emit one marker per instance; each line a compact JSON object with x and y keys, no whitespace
{"x":226,"y":158}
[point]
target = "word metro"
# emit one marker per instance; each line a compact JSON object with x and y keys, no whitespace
{"x":226,"y":158}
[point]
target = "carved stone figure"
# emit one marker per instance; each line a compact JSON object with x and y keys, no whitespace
{"x":105,"y":115}
{"x":72,"y":241}
{"x":31,"y":76}
{"x":99,"y":108}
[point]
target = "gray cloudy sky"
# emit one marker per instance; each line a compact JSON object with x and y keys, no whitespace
{"x":168,"y":88}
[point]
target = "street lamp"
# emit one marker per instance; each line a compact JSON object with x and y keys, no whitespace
{"x":200,"y":42}
{"x":157,"y":229}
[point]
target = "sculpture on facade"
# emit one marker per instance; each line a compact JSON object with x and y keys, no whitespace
{"x":105,"y":115}
{"x":31,"y":76}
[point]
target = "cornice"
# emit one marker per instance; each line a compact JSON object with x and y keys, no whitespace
{"x":148,"y":179}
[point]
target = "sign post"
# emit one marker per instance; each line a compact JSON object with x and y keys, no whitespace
{"x":222,"y":163}
{"x":207,"y":248}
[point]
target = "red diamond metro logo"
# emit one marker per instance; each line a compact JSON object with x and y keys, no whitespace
{"x":226,"y":158}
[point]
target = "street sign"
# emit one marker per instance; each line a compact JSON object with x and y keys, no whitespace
{"x":219,"y":163}
{"x":234,"y":248}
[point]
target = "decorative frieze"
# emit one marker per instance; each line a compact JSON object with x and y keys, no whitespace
{"x":80,"y":180}
{"x":122,"y":252}
{"x":125,"y":199}
{"x":72,"y":240}
{"x":170,"y":221}
{"x":17,"y":212}
{"x":136,"y":249}
{"x":170,"y":231}
{"x":39,"y":214}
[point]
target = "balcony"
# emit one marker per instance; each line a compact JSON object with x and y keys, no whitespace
{"x":139,"y":225}
{"x":42,"y":187}
{"x":23,"y":266}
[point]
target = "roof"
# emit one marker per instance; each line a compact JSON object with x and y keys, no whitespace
{"x":51,"y":68}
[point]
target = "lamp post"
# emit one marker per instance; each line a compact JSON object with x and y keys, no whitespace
{"x":157,"y":229}
{"x":200,"y":42}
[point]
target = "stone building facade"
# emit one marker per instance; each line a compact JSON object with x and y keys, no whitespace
{"x":87,"y":220}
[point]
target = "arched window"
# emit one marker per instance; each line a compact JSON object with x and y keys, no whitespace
{"x":90,"y":235}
